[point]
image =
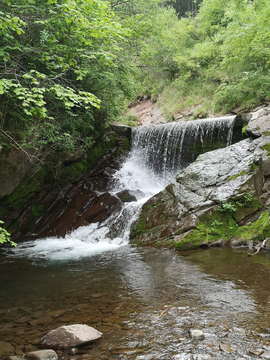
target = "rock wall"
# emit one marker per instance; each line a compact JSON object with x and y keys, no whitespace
{"x":222,"y":197}
{"x":59,"y":196}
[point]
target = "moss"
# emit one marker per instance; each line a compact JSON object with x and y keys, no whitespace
{"x":22,"y":191}
{"x":37,"y":210}
{"x":74,"y":170}
{"x":242,"y":172}
{"x":212,"y":226}
{"x":140,"y":226}
{"x":226,"y":228}
{"x":43,"y":171}
{"x":244,"y":130}
{"x":254,"y":167}
{"x":98,"y":151}
{"x":267,"y":148}
{"x":126,"y":144}
{"x":28,"y":189}
{"x":259,"y":229}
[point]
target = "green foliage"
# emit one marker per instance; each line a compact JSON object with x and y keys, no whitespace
{"x":67,"y":67}
{"x":37,"y":210}
{"x":218,"y":60}
{"x":57,"y":63}
{"x":227,"y":207}
{"x":5,"y":236}
{"x":266,"y":147}
{"x":249,"y":197}
{"x":244,"y":130}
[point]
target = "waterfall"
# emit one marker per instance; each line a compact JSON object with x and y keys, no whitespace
{"x":158,"y":153}
{"x":165,"y":149}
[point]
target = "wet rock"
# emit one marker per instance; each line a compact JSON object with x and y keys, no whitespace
{"x":6,"y":348}
{"x":125,"y":196}
{"x":70,"y":336}
{"x":101,"y":208}
{"x":42,"y":355}
{"x":196,"y":334}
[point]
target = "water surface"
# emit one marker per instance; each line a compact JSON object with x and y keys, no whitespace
{"x":144,"y":301}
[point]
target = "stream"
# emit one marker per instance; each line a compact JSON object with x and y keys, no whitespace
{"x":145,"y":301}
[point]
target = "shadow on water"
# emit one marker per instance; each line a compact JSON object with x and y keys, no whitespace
{"x":144,"y":301}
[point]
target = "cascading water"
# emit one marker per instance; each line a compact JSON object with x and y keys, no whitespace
{"x":158,"y":154}
{"x":165,"y":149}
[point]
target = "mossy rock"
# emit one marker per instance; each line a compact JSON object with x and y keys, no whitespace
{"x":37,"y":210}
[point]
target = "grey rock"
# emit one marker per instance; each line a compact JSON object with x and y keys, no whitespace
{"x":42,"y":355}
{"x":121,"y":129}
{"x":215,"y":177}
{"x":259,"y":124}
{"x":66,"y":337}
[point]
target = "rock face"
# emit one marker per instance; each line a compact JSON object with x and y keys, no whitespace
{"x":49,"y":204}
{"x":70,"y":336}
{"x":212,"y":199}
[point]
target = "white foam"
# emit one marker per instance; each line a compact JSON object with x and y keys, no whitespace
{"x":93,"y":239}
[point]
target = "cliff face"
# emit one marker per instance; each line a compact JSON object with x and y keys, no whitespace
{"x":223,"y":196}
{"x":54,"y":198}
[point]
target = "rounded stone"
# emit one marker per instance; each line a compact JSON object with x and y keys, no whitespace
{"x":196,"y":334}
{"x":42,"y":355}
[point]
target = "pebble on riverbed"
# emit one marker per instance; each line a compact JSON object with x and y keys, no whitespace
{"x":196,"y":334}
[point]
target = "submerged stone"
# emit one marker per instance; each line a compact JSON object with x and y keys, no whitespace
{"x":197,"y":334}
{"x":6,"y":348}
{"x":66,"y":337}
{"x":42,"y":355}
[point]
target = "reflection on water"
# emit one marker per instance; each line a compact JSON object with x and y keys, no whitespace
{"x":144,"y":301}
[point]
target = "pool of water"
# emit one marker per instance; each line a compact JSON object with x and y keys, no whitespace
{"x":144,"y":301}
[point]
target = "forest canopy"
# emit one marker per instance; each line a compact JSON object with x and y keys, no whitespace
{"x":68,"y":67}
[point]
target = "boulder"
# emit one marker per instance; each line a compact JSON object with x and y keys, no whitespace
{"x":66,"y":337}
{"x":42,"y":355}
{"x":211,"y":197}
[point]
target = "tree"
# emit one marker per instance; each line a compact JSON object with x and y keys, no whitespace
{"x":5,"y":236}
{"x":57,"y":62}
